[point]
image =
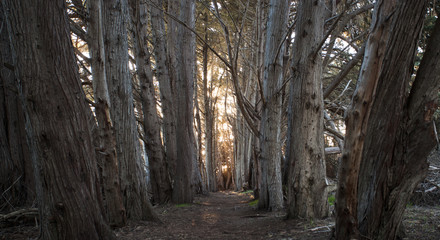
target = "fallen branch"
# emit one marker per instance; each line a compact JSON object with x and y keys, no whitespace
{"x":328,"y":227}
{"x":16,"y":216}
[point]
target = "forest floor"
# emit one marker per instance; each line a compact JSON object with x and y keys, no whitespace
{"x":233,"y":215}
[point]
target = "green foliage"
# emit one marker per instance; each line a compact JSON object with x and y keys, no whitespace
{"x":183,"y":205}
{"x":254,"y":203}
{"x":331,"y":200}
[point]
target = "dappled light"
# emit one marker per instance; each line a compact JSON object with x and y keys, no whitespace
{"x":219,"y":119}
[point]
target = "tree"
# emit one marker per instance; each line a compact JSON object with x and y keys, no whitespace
{"x":209,"y":112}
{"x":159,"y":176}
{"x":389,"y":130}
{"x":57,"y":126}
{"x":107,"y":156}
{"x":16,"y":181}
{"x":271,"y":195}
{"x":164,"y":54}
{"x":307,"y":193}
{"x":131,"y":165}
{"x":183,"y":190}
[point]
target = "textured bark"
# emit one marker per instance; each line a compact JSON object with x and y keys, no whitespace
{"x":389,"y":133}
{"x":183,"y":190}
{"x":131,"y":164}
{"x":209,"y":120}
{"x":114,"y":210}
{"x":164,"y":55}
{"x":57,"y":122}
{"x":271,"y":195}
{"x":199,"y":139}
{"x":16,"y":174}
{"x":159,"y":177}
{"x":307,"y":194}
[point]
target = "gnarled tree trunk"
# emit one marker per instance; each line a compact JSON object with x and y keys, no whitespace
{"x":183,"y":190}
{"x":307,"y":194}
{"x":57,"y":121}
{"x":131,"y":164}
{"x":271,"y":195}
{"x":164,"y":55}
{"x":106,"y":150}
{"x":159,"y":177}
{"x":16,"y":174}
{"x":389,"y":131}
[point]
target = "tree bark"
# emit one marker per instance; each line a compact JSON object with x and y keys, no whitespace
{"x":159,"y":177}
{"x":16,"y":174}
{"x":271,"y":195}
{"x":58,"y":129}
{"x":131,"y":164}
{"x":389,"y":132}
{"x":307,"y":194}
{"x":209,"y":120}
{"x":164,"y":55}
{"x":183,"y":190}
{"x":106,"y":150}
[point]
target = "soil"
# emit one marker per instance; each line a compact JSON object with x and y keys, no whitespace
{"x":225,"y":215}
{"x":233,"y":215}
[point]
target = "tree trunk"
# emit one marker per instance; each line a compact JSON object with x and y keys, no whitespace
{"x":199,"y":139}
{"x":209,"y":120}
{"x":380,"y":169}
{"x":131,"y":164}
{"x":166,"y":79}
{"x":106,"y":150}
{"x":16,"y":173}
{"x":57,"y":121}
{"x":183,"y":190}
{"x":307,"y":194}
{"x":159,"y":177}
{"x":271,"y":195}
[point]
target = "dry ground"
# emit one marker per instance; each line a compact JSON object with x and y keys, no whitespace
{"x":232,"y":215}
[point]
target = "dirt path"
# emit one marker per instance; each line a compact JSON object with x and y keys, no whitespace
{"x":232,"y":215}
{"x":224,"y":215}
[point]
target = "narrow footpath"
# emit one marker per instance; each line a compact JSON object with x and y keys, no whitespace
{"x":224,"y":215}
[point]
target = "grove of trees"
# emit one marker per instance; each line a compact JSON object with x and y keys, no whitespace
{"x":109,"y":107}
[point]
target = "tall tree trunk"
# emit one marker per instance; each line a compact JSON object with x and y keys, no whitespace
{"x":16,"y":173}
{"x":57,"y":121}
{"x":183,"y":190}
{"x":199,"y":139}
{"x":389,"y":132}
{"x":106,"y":151}
{"x":307,"y":194}
{"x":209,"y":120}
{"x":166,"y":78}
{"x":271,"y":195}
{"x":159,"y":177}
{"x":131,"y":164}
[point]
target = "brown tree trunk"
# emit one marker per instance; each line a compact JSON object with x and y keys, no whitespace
{"x":106,"y":150}
{"x":209,"y":120}
{"x":131,"y":163}
{"x":183,"y":190}
{"x":389,"y":132}
{"x":165,"y":71}
{"x":58,"y":128}
{"x":198,"y":121}
{"x":271,"y":195}
{"x":16,"y":173}
{"x":159,"y":177}
{"x":307,"y":194}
